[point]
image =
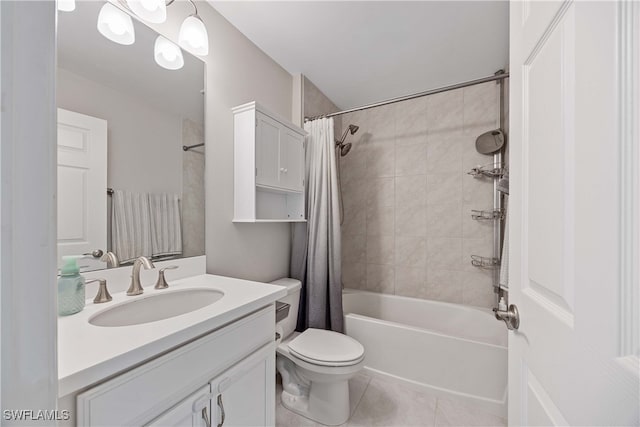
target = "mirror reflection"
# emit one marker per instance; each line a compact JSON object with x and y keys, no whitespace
{"x":125,"y":112}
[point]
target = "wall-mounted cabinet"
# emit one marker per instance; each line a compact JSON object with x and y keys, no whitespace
{"x":268,"y":167}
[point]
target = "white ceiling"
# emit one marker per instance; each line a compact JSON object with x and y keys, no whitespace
{"x":358,"y":52}
{"x":128,"y":69}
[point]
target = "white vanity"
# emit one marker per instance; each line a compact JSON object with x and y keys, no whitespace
{"x":210,"y":366}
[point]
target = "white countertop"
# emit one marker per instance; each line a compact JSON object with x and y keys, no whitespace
{"x":88,"y":354}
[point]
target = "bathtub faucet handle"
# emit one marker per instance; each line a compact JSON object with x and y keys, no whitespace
{"x":510,"y":316}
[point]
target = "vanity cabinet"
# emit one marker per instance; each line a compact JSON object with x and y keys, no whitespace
{"x":194,"y":411}
{"x":227,"y":375}
{"x":269,"y":164}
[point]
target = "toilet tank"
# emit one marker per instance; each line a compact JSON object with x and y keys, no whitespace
{"x":293,"y":286}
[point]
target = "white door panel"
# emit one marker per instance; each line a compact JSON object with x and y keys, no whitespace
{"x":82,"y":185}
{"x":267,"y":151}
{"x":566,"y":364}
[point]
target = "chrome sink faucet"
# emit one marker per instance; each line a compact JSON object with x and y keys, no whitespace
{"x":136,"y":287}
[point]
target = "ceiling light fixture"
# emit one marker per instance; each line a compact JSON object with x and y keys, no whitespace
{"x":116,"y":25}
{"x":66,"y":5}
{"x":150,"y":10}
{"x":167,"y":54}
{"x":193,"y":34}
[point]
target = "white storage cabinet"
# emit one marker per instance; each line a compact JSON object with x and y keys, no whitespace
{"x":269,"y":167}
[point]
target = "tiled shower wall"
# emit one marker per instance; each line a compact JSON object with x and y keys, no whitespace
{"x":408,"y":198}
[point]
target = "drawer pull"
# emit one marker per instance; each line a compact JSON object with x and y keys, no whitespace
{"x":205,"y":416}
{"x":221,"y":406}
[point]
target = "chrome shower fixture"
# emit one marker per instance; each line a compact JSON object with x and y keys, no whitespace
{"x":345,"y":148}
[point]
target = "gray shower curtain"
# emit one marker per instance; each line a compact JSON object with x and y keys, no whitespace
{"x":316,"y":246}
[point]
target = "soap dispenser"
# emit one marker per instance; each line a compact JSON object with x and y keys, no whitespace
{"x":70,"y":287}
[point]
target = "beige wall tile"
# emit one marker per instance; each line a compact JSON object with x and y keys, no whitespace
{"x":381,"y":191}
{"x":477,"y":288}
{"x":411,"y":221}
{"x":380,"y":249}
{"x":444,"y":253}
{"x":354,"y":249}
{"x":380,"y":278}
{"x":354,"y":223}
{"x":380,"y":220}
{"x":444,"y":111}
{"x":411,"y":122}
{"x":411,"y":190}
{"x":444,"y":219}
{"x":411,"y":159}
{"x":478,"y":191}
{"x":443,"y":187}
{"x":408,"y":198}
{"x":411,"y":251}
{"x":444,"y":152}
{"x":354,"y":275}
{"x":444,"y":285}
{"x":411,"y":281}
{"x":481,"y":107}
{"x":380,"y":159}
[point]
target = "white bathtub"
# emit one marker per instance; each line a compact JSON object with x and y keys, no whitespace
{"x":448,"y":349}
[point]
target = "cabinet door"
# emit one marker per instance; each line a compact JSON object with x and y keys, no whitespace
{"x":292,"y":160}
{"x":245,"y":394}
{"x":268,"y":134}
{"x":194,"y":411}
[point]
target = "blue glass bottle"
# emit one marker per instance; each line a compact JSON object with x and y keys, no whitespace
{"x":70,"y":288}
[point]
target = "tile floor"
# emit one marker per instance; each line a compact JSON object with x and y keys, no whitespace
{"x":375,"y":402}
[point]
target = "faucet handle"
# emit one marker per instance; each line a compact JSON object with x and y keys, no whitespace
{"x":103,"y":293}
{"x":162,"y":282}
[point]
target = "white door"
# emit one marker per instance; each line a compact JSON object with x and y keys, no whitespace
{"x":573,"y":252}
{"x":267,"y":151}
{"x":193,"y":411}
{"x":82,"y":186}
{"x":291,"y":160}
{"x":244,"y":395}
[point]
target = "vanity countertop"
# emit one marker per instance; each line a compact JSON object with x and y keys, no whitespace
{"x":88,"y":354}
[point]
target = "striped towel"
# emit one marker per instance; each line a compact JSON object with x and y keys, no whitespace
{"x":130,"y":225}
{"x":166,"y":231}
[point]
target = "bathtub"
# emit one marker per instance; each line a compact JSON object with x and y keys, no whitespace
{"x":448,"y":349}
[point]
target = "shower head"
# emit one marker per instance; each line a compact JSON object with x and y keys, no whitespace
{"x":345,"y":148}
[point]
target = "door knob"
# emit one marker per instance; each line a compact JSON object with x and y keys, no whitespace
{"x":96,"y":253}
{"x":510,"y":316}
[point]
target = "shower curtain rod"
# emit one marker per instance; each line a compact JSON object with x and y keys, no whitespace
{"x":501,"y":74}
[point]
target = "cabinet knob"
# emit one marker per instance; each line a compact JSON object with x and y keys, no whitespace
{"x":286,"y":170}
{"x":282,"y":169}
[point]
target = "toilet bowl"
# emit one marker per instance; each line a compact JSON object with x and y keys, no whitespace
{"x":315,"y":366}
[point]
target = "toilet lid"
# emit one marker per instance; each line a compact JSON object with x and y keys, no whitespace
{"x":326,"y":347}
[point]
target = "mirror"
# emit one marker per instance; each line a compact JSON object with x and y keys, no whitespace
{"x":125,"y":184}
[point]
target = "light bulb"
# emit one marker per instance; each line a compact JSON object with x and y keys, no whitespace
{"x":66,"y":5}
{"x":193,"y":36}
{"x":116,"y":25}
{"x":167,"y":54}
{"x":150,"y":10}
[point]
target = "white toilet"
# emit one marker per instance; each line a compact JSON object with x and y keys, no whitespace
{"x":315,"y":365}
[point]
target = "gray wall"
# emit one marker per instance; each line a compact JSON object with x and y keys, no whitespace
{"x":144,"y":142}
{"x":237,"y":72}
{"x":408,"y":197}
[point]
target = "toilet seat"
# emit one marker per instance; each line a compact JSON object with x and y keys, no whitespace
{"x":326,"y":348}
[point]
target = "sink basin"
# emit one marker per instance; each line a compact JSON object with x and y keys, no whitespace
{"x":156,"y":307}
